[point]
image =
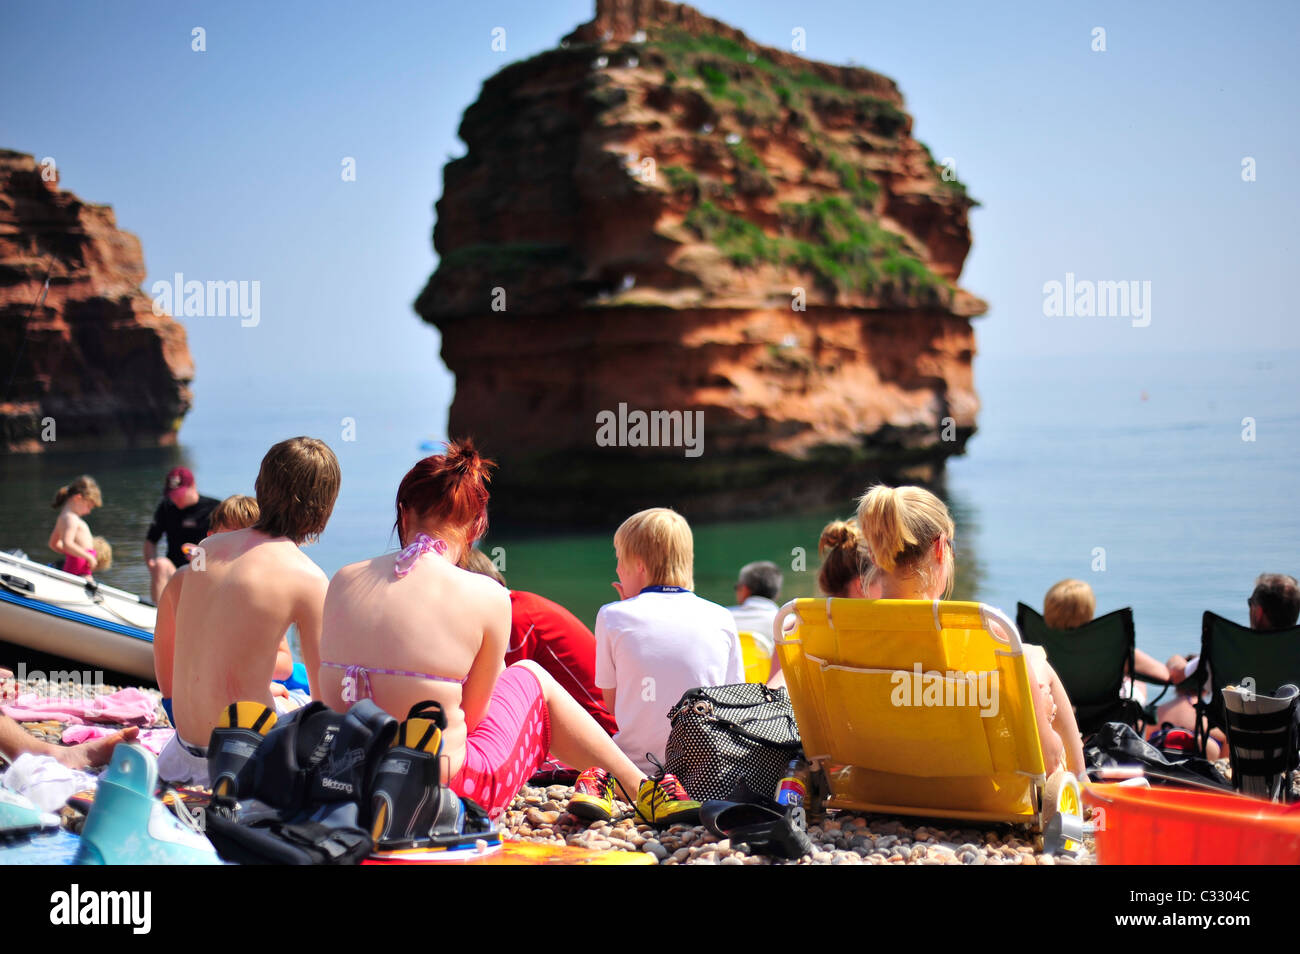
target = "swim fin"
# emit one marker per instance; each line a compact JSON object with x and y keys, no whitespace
{"x":126,"y":825}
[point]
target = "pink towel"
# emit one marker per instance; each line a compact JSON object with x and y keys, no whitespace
{"x":125,"y":707}
{"x":152,"y":739}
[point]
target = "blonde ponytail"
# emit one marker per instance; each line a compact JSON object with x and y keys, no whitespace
{"x":899,"y":525}
{"x":885,"y":533}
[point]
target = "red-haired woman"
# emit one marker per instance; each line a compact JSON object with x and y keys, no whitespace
{"x":413,"y":627}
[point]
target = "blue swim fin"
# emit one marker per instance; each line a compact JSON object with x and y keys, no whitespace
{"x":126,"y":825}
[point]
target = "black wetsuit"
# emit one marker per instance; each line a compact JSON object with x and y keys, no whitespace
{"x":181,"y":526}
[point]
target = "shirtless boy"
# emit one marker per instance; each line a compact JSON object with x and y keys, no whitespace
{"x":254,"y":583}
{"x":234,"y":513}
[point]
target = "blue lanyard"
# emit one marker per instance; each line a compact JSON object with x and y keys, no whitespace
{"x":660,"y":588}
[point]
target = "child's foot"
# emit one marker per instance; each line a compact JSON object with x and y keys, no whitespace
{"x":593,"y":795}
{"x":664,"y":802}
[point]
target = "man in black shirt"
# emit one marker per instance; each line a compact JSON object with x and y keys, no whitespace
{"x":183,"y":517}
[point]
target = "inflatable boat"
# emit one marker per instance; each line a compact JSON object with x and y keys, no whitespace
{"x":57,"y":614}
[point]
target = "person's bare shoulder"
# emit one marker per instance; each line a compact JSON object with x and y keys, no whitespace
{"x":485,"y":589}
{"x":172,"y":590}
{"x":307,"y":570}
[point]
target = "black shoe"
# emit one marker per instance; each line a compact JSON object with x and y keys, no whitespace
{"x":767,"y":831}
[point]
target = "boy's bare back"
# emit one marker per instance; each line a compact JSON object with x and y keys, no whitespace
{"x":240,"y":597}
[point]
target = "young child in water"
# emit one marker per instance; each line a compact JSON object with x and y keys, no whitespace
{"x":82,"y":552}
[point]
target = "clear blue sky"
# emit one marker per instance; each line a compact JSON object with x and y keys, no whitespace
{"x":1122,"y":165}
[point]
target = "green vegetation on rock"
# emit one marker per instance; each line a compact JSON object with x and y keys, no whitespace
{"x":954,"y":184}
{"x":854,"y":180}
{"x":827,"y":238}
{"x":746,"y":155}
{"x":681,"y":179}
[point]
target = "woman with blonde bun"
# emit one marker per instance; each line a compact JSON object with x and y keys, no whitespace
{"x":843,"y":574}
{"x":908,"y":533}
{"x":844,"y":563}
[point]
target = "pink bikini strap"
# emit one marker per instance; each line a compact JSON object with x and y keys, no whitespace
{"x":421,"y":545}
{"x":356,"y":679}
{"x":356,"y":684}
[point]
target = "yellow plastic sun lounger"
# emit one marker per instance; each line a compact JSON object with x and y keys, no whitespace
{"x":917,"y":707}
{"x":758,"y":663}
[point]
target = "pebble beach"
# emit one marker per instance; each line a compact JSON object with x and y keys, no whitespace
{"x":539,"y":814}
{"x":843,"y":838}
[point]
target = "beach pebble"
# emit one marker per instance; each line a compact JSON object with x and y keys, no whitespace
{"x":538,"y":818}
{"x":656,"y":849}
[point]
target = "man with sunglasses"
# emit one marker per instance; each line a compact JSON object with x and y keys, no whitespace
{"x":1274,"y":605}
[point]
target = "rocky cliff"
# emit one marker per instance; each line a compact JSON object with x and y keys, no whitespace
{"x":662,"y":215}
{"x":90,"y":359}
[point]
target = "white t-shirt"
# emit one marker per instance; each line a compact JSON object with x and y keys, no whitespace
{"x":651,"y":649}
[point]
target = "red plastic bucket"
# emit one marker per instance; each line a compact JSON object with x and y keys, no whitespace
{"x":1168,"y":826}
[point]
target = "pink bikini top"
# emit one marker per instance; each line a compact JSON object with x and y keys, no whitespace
{"x":356,"y":679}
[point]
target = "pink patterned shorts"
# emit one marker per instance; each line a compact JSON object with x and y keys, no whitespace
{"x":508,"y":745}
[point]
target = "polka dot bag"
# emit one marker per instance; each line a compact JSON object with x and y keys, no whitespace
{"x":724,"y":736}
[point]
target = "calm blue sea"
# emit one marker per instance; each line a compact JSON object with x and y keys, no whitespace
{"x":1131,"y":473}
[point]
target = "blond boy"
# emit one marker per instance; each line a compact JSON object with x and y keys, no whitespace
{"x":660,"y":639}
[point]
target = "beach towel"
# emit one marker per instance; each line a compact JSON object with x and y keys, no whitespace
{"x":155,"y":740}
{"x":129,"y":706}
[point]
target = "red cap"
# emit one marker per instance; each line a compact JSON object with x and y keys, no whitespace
{"x":178,"y":477}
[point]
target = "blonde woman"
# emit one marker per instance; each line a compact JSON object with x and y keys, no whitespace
{"x":908,"y":534}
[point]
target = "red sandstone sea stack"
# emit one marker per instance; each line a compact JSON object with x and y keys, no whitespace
{"x":92,"y":366}
{"x":662,"y":215}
